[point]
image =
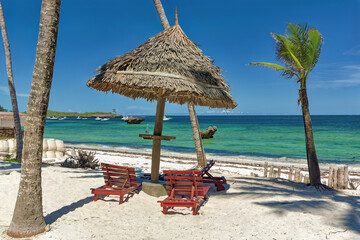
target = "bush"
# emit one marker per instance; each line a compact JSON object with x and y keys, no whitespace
{"x":81,"y":159}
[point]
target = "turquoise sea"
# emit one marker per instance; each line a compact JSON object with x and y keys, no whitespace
{"x":337,"y":138}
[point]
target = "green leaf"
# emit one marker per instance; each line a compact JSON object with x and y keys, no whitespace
{"x":270,"y":65}
{"x":288,"y":45}
{"x":316,"y":40}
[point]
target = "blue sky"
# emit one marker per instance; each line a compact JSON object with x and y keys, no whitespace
{"x":231,"y":32}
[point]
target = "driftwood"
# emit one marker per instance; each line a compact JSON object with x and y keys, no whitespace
{"x":338,"y":178}
{"x":81,"y":159}
{"x":330,"y":178}
{"x":266,"y":169}
{"x":209,"y":132}
{"x":291,"y":171}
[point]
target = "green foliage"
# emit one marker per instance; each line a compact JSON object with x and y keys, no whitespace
{"x":299,"y":50}
{"x":2,"y":109}
{"x":10,"y":158}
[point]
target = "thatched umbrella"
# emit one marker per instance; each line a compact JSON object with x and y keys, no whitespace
{"x":168,"y":66}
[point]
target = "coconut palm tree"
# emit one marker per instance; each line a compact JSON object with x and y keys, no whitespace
{"x":299,"y":50}
{"x":18,"y":132}
{"x":200,"y":152}
{"x":28,"y":219}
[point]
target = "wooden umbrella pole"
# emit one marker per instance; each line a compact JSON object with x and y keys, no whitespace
{"x":156,"y":148}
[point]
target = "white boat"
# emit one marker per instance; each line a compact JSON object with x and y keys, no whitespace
{"x":98,"y":118}
{"x":62,"y":118}
{"x":53,"y":118}
{"x":105,"y":119}
{"x":124,"y":117}
{"x":78,"y":117}
{"x":166,"y":118}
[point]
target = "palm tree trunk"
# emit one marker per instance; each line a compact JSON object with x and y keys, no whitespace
{"x":28,"y":219}
{"x":200,"y":152}
{"x":313,"y":165}
{"x":161,"y":13}
{"x":18,"y":132}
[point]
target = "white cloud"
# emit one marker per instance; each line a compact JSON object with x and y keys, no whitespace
{"x":5,"y":91}
{"x":353,"y":51}
{"x":350,"y":78}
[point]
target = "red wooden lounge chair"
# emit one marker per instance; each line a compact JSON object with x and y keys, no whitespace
{"x":184,"y":189}
{"x":218,"y":181}
{"x":118,"y":181}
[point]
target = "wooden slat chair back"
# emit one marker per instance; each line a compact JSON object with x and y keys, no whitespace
{"x":208,"y":178}
{"x":119,"y":180}
{"x":119,"y":176}
{"x":185,"y":189}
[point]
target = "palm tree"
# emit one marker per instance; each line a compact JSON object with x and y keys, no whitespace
{"x":18,"y":131}
{"x":300,"y":50}
{"x":28,"y":219}
{"x":200,"y":152}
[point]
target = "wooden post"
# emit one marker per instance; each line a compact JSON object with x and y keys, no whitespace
{"x":291,"y":172}
{"x":330,"y":179}
{"x":297,"y":175}
{"x":335,"y":179}
{"x":279,"y":172}
{"x":156,"y":148}
{"x":340,"y":178}
{"x":306,"y":179}
{"x":265,"y":169}
{"x":346,"y":177}
{"x":271,"y":173}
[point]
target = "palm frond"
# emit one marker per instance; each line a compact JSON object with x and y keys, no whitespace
{"x":298,"y":35}
{"x":286,"y":72}
{"x":299,"y":50}
{"x":316,"y":41}
{"x":286,"y":50}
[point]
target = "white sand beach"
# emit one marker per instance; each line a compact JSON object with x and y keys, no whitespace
{"x":250,"y":208}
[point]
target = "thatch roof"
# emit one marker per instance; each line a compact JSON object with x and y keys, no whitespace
{"x":168,"y":65}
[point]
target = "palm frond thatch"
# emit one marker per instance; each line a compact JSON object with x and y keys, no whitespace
{"x":167,"y":65}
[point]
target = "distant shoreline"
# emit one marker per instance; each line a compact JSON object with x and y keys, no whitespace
{"x":87,"y":114}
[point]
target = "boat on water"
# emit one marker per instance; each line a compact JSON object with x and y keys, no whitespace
{"x":124,"y":117}
{"x":98,"y":118}
{"x":105,"y":119}
{"x":62,"y":118}
{"x":53,"y":118}
{"x":166,"y":118}
{"x":79,"y":117}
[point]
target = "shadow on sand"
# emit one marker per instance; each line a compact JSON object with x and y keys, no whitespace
{"x":8,"y":167}
{"x":313,"y":202}
{"x":52,"y":217}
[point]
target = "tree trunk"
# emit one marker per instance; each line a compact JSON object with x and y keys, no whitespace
{"x":313,"y":165}
{"x":200,"y":152}
{"x":161,"y":13}
{"x":17,"y":124}
{"x":28,"y":219}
